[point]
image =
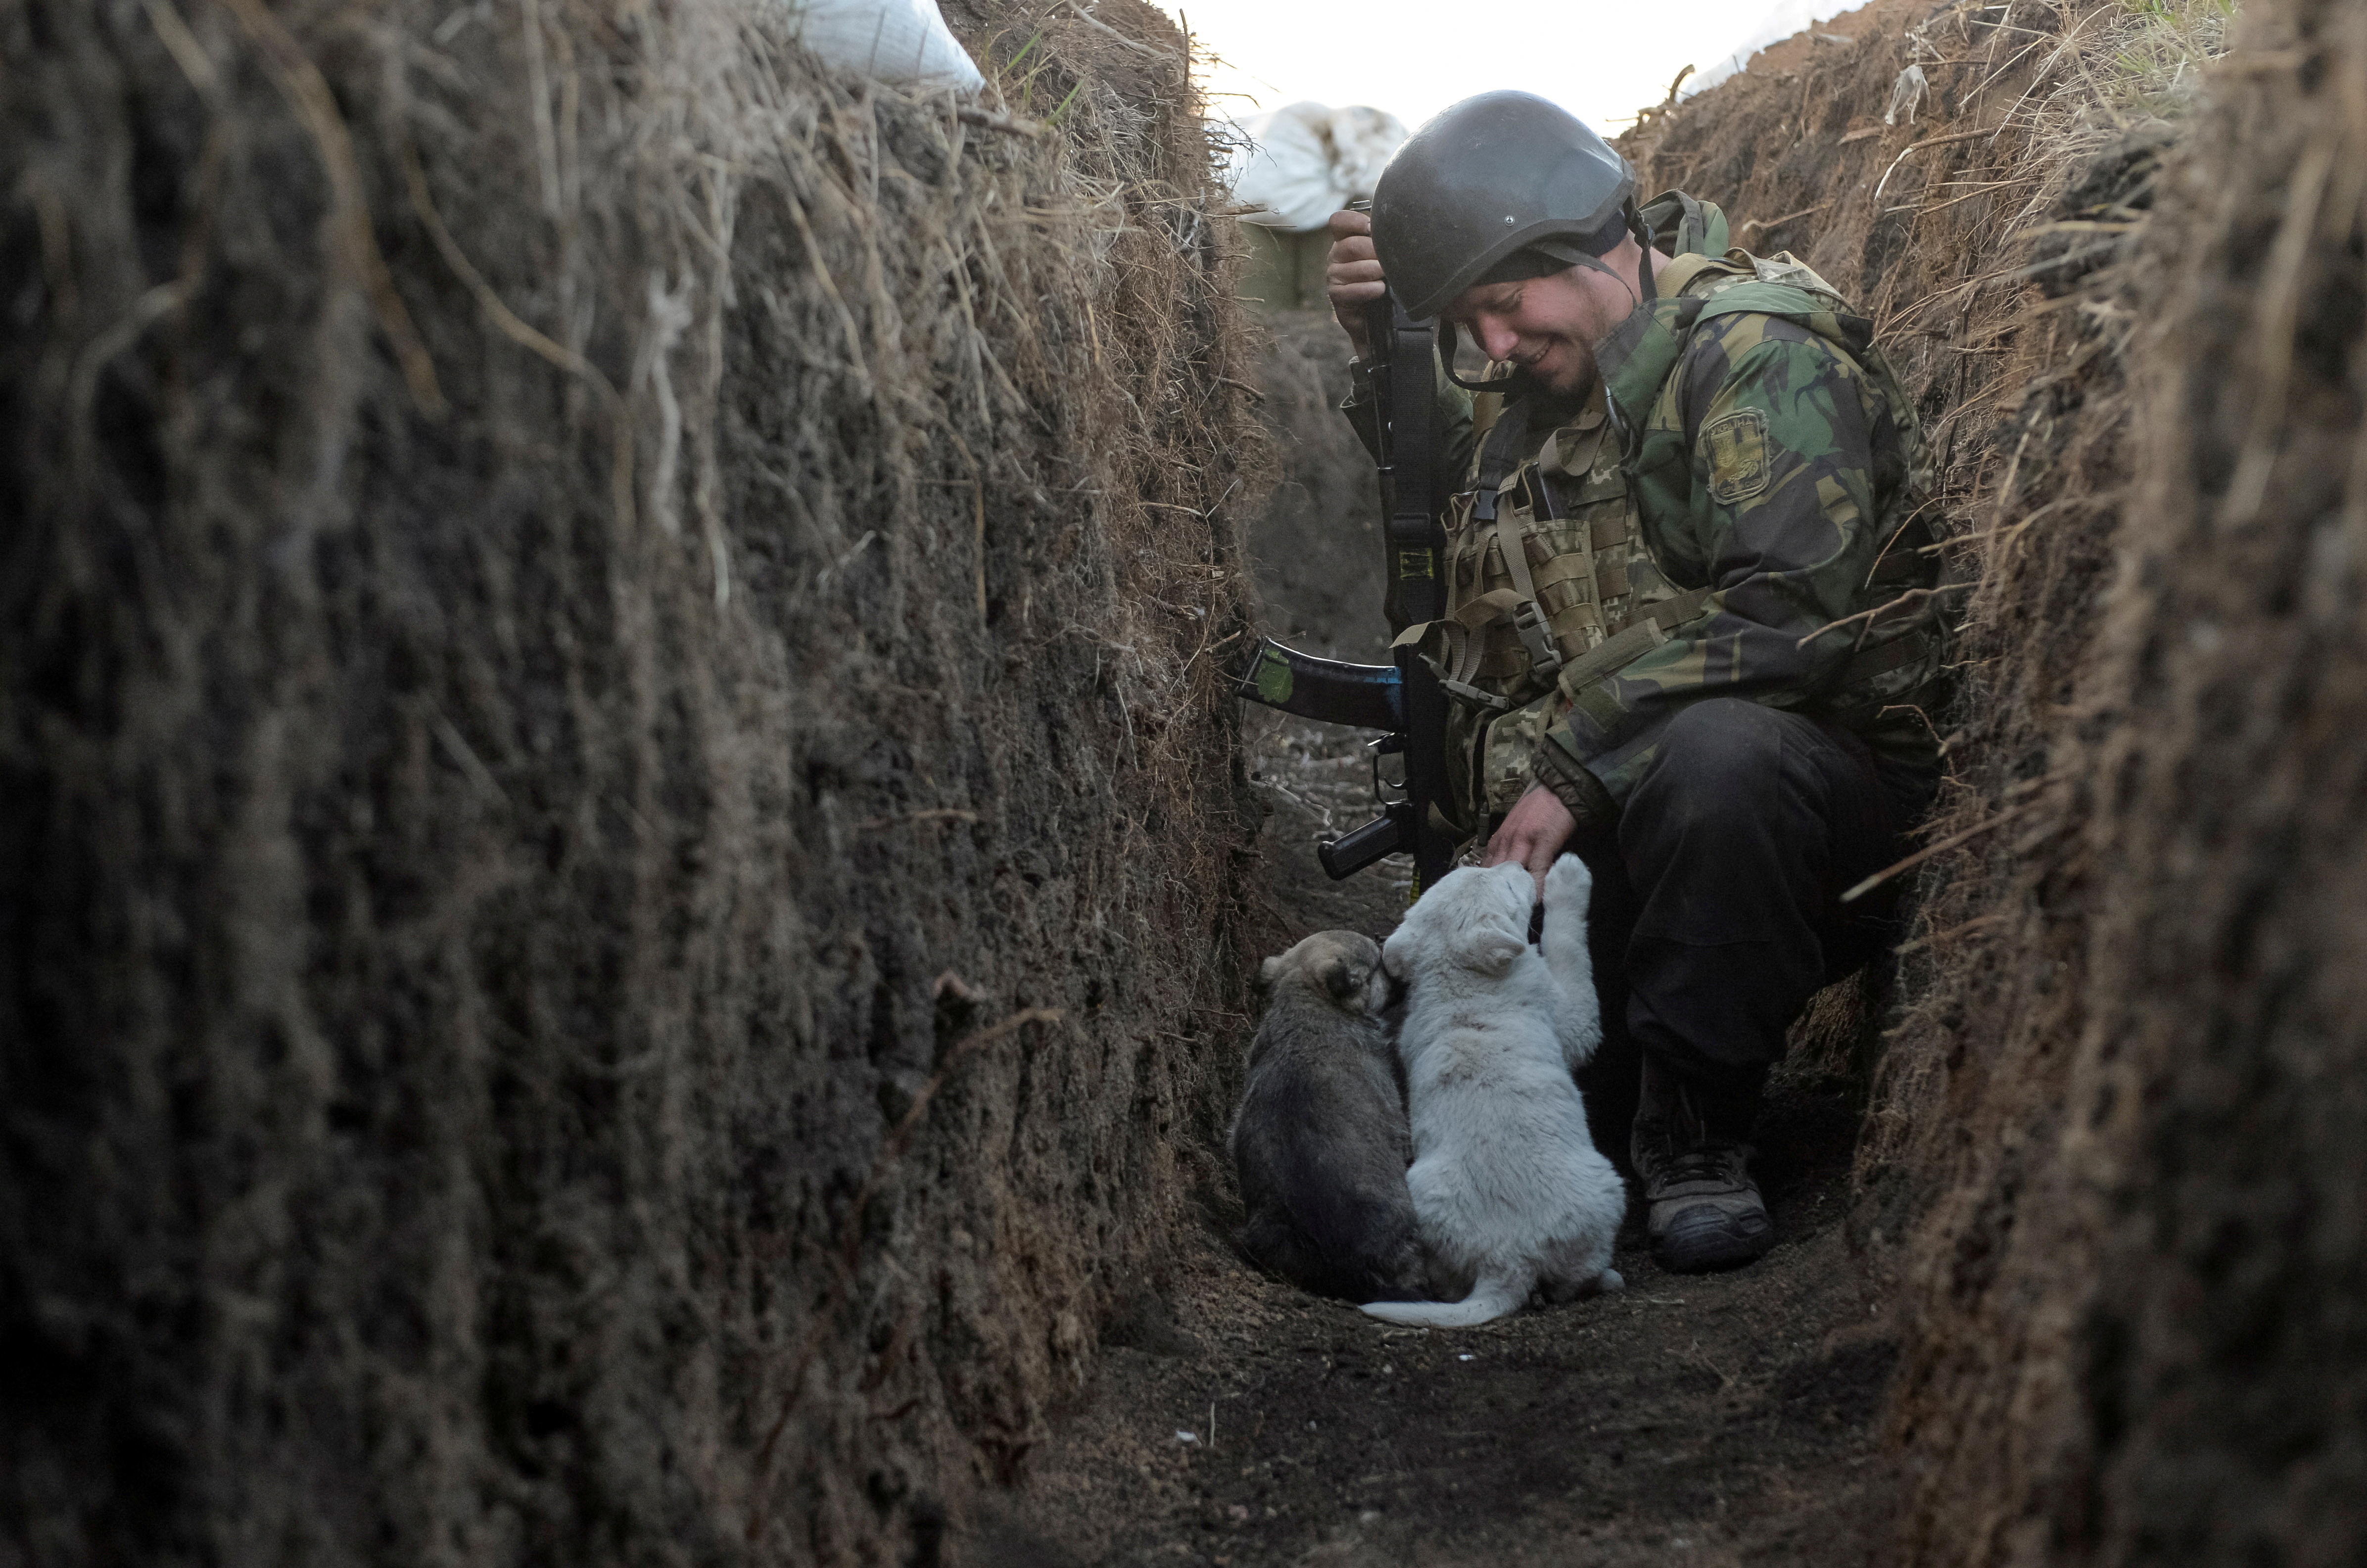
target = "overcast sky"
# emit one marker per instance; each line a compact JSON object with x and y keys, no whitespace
{"x":1602,"y":62}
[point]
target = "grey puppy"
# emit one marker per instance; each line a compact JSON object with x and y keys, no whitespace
{"x":1320,"y":1139}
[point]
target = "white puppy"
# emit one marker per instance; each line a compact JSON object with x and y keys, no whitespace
{"x":1509,"y":1188}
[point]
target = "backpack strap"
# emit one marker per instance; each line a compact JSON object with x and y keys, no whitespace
{"x":1687,"y":225}
{"x":1685,"y":271}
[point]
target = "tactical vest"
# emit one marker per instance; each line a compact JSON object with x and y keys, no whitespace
{"x":1550,"y":585}
{"x":1546,"y":575}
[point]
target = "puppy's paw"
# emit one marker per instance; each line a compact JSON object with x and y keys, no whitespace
{"x":1567,"y":885}
{"x":1609,"y":1282}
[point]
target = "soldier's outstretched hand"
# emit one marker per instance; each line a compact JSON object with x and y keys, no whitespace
{"x":1533,"y":833}
{"x":1351,"y":275}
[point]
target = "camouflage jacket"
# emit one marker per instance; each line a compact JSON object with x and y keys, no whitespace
{"x":1774,"y":468}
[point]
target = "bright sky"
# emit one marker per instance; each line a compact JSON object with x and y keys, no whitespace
{"x":1601,"y":61}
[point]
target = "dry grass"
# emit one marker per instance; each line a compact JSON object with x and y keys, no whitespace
{"x":2121,"y":1350}
{"x":2028,"y":341}
{"x":596,"y":607}
{"x":2009,"y":263}
{"x":1964,"y":237}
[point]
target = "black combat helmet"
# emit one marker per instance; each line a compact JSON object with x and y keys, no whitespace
{"x":1505,"y":183}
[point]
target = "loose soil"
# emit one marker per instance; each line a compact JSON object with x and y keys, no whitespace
{"x":1235,"y":1420}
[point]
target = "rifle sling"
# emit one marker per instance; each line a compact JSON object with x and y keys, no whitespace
{"x":1500,"y":455}
{"x":1460,"y":649}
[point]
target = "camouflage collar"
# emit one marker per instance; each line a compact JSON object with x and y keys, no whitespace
{"x":1637,"y":357}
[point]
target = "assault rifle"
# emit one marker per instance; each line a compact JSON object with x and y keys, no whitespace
{"x":1403,"y":699}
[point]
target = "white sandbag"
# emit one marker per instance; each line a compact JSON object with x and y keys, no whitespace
{"x":1286,"y":180}
{"x":897,"y":41}
{"x":1363,"y":142}
{"x":1306,"y":160}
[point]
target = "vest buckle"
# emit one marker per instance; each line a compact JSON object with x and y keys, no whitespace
{"x":1530,"y":622}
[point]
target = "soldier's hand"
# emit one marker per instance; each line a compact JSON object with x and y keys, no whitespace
{"x":1352,"y":276}
{"x":1532,"y":833}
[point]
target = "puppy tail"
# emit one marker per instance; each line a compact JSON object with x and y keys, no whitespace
{"x":1491,"y":1298}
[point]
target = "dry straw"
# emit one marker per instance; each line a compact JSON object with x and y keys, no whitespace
{"x":2132,"y":1324}
{"x":570,"y":559}
{"x":2064,"y":183}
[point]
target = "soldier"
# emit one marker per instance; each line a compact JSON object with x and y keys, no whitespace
{"x":1680,"y":635}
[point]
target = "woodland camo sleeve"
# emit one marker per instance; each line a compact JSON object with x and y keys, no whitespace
{"x":1781,"y":528}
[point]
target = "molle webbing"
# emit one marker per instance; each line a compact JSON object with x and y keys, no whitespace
{"x":1459,"y":647}
{"x":1497,"y":459}
{"x":1638,"y":635}
{"x":1544,"y":564}
{"x":1568,"y":582}
{"x":1528,"y":616}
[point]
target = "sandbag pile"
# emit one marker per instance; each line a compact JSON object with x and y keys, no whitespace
{"x":1300,"y":164}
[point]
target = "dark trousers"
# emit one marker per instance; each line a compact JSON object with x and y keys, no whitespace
{"x":1716,"y":911}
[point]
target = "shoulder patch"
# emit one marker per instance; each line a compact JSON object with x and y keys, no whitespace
{"x":1736,"y":444}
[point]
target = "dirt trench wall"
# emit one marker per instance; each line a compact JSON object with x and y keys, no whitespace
{"x":2150,"y":1344}
{"x":2112,"y":1157}
{"x":1317,"y":545}
{"x":616,"y":822}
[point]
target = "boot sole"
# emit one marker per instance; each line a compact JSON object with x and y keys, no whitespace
{"x":1712,"y":1242}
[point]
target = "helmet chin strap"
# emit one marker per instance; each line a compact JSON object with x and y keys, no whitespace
{"x":1447,"y":362}
{"x":1646,"y":292}
{"x":1646,"y":289}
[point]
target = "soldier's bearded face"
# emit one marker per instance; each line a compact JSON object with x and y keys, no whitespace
{"x":1549,"y":325}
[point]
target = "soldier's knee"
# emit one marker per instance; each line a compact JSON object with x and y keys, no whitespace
{"x":1718,"y":746}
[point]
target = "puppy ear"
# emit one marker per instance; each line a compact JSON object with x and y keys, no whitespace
{"x":1488,"y":947}
{"x":1267,"y":970}
{"x":1341,"y":979}
{"x":1393,"y":955}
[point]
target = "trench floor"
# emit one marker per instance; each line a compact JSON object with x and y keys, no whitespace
{"x":1703,"y":1419}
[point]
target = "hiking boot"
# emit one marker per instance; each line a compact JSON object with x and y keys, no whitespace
{"x":1705,"y":1211}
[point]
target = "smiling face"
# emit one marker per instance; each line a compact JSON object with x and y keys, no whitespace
{"x":1549,"y":325}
